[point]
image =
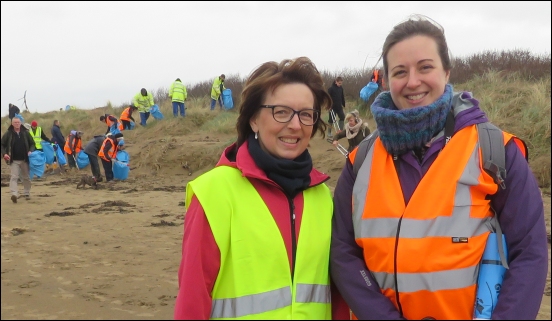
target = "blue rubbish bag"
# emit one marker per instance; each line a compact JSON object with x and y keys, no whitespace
{"x":121,"y":167}
{"x":20,"y":118}
{"x":82,"y":160}
{"x":489,"y":281}
{"x":60,"y":157}
{"x":227,"y":101}
{"x":37,"y":162}
{"x":114,"y":129}
{"x":155,"y":112}
{"x":368,"y":90}
{"x":49,"y":153}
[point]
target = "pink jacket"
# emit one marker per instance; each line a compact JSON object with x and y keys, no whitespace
{"x":200,"y":262}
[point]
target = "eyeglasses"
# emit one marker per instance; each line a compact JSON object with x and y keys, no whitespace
{"x":284,"y":114}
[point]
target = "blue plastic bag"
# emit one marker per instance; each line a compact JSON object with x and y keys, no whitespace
{"x":227,"y":100}
{"x":114,"y":129}
{"x":20,"y":117}
{"x":49,"y":153}
{"x":368,"y":90}
{"x":60,"y":157}
{"x":155,"y":112}
{"x":489,"y":281}
{"x":121,"y":167}
{"x":37,"y":162}
{"x":82,"y":160}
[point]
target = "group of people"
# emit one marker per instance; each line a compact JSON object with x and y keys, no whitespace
{"x":403,"y":239}
{"x":18,"y":142}
{"x":178,"y":95}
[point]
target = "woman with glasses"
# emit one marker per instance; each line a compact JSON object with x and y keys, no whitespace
{"x":258,"y":226}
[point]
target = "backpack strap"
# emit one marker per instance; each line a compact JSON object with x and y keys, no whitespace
{"x":493,"y":157}
{"x":363,"y":149}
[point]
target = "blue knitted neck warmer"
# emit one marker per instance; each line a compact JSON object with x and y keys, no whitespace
{"x":404,"y":130}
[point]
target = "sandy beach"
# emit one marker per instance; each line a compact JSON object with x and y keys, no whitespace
{"x":114,"y":252}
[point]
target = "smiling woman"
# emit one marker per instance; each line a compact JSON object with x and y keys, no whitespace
{"x":234,"y":264}
{"x":423,"y":205}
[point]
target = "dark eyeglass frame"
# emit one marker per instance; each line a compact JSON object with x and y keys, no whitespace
{"x":316,"y":114}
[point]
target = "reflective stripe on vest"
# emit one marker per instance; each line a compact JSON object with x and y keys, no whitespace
{"x":442,"y":231}
{"x":178,"y":92}
{"x":250,"y":283}
{"x":37,"y":137}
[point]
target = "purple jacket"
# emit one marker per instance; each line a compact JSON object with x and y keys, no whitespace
{"x":520,"y":213}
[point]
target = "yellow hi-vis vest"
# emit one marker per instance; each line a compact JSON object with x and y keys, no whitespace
{"x":37,"y":136}
{"x":254,"y":280}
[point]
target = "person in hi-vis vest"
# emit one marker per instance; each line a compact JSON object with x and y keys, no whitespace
{"x":38,"y":135}
{"x":413,"y":216}
{"x":258,"y":225}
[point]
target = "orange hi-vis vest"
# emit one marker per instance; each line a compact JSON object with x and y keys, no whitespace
{"x":426,"y":254}
{"x":125,"y":115}
{"x":112,"y":152}
{"x":376,"y":75}
{"x":109,"y":122}
{"x":77,"y":144}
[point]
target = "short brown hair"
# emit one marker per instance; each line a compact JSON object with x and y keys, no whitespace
{"x":267,"y":77}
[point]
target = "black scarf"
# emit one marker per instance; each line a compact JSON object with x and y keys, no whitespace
{"x":292,"y":175}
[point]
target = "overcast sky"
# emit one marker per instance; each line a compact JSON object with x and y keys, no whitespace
{"x":88,"y":53}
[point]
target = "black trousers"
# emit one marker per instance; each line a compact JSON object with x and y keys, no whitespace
{"x":94,"y":166}
{"x":339,"y":113}
{"x":108,"y":169}
{"x":126,"y":124}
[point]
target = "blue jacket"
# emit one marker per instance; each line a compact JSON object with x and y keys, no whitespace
{"x":520,"y":212}
{"x":57,"y":136}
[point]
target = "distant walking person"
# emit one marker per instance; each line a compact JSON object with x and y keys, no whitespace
{"x":16,"y":146}
{"x":13,"y":109}
{"x":108,"y":151}
{"x":178,"y":94}
{"x":126,"y":117}
{"x":143,"y":100}
{"x":338,"y":103}
{"x":92,"y":149}
{"x":216,"y":91}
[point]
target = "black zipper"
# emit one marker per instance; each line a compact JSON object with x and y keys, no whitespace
{"x":293,"y":237}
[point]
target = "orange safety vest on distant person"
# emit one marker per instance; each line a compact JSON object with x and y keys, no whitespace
{"x":77,"y":143}
{"x":376,"y":75}
{"x":109,"y":122}
{"x":112,"y":152}
{"x":432,"y":246}
{"x":125,"y":115}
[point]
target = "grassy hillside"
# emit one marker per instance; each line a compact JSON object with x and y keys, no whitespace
{"x":516,"y":99}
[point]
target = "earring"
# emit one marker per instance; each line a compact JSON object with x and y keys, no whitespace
{"x":256,"y":136}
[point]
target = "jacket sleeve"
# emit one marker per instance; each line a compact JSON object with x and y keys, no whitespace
{"x":171,"y":90}
{"x":30,"y":141}
{"x":199,"y":266}
{"x":44,"y":137}
{"x":339,"y":135}
{"x":521,"y":216}
{"x":348,"y":269}
{"x":4,"y":144}
{"x":342,"y":98}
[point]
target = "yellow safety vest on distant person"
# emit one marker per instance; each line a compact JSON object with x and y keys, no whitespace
{"x":254,"y":280}
{"x":37,"y":136}
{"x":215,"y":90}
